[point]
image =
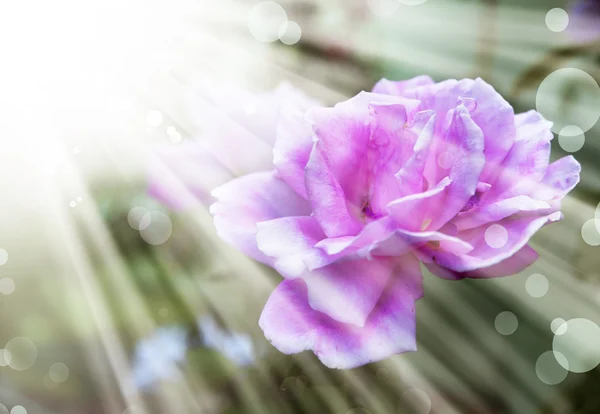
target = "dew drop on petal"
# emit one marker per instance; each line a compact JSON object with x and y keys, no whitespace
{"x":445,"y":160}
{"x":557,"y":19}
{"x":506,"y":323}
{"x":496,"y":236}
{"x":549,"y":368}
{"x":537,"y":285}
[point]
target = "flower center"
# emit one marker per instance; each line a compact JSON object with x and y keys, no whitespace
{"x":367,"y":213}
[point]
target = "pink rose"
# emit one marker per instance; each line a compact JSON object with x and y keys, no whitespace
{"x":356,"y":196}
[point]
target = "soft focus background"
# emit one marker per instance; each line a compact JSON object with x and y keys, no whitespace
{"x":112,"y":303}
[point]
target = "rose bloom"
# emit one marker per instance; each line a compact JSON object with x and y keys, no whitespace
{"x":347,"y":202}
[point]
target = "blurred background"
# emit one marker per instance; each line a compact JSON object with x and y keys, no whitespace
{"x":113,"y":303}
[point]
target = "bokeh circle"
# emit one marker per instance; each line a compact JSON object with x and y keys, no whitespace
{"x":23,"y":353}
{"x":579,"y":344}
{"x":557,"y":19}
{"x":550,"y":368}
{"x":537,"y":285}
{"x":590,"y":232}
{"x":506,"y":323}
{"x":569,"y":97}
{"x":571,"y":138}
{"x":156,"y":228}
{"x":290,"y":33}
{"x":265,"y":19}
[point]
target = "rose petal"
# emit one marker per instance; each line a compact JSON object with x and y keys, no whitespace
{"x":397,"y":152}
{"x":328,"y":199}
{"x":488,"y":110}
{"x":410,"y":176}
{"x":519,"y":229}
{"x":411,"y":212}
{"x":561,"y":177}
{"x":248,"y":200}
{"x":527,"y":160}
{"x":291,"y":242}
{"x":348,"y":291}
{"x":464,"y":143}
{"x":489,"y":213}
{"x":510,"y":266}
{"x":383,"y":238}
{"x":342,"y":135}
{"x":292,"y":326}
{"x":294,"y":142}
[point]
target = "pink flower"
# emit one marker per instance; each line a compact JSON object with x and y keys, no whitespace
{"x":356,"y":196}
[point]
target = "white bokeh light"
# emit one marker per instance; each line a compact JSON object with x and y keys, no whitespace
{"x":265,"y":19}
{"x":569,"y":97}
{"x":496,"y":236}
{"x":537,"y":285}
{"x":7,"y":286}
{"x":571,"y":138}
{"x":580,"y":345}
{"x":155,"y":228}
{"x":290,"y":33}
{"x":590,"y":232}
{"x":3,"y":257}
{"x":4,"y":357}
{"x":550,"y":369}
{"x":23,"y":353}
{"x":58,"y":372}
{"x":18,"y":409}
{"x":506,"y":323}
{"x":558,"y":326}
{"x":135,"y":216}
{"x":557,"y":19}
